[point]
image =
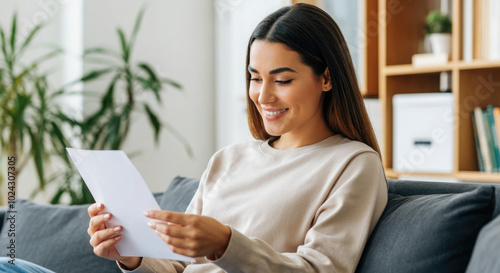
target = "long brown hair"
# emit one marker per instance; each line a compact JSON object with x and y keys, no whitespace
{"x":315,"y":36}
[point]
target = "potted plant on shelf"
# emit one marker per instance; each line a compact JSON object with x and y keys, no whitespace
{"x":438,"y":27}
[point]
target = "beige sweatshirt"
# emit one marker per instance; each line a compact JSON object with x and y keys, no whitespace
{"x":309,"y":209}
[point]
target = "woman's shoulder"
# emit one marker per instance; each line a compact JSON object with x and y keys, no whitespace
{"x":343,"y":145}
{"x":238,"y":149}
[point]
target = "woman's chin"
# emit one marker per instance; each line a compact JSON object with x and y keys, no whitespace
{"x":274,"y":132}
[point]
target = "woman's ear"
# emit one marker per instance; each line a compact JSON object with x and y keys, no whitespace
{"x":326,"y":81}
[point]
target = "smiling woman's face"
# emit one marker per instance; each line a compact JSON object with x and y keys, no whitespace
{"x":285,"y":90}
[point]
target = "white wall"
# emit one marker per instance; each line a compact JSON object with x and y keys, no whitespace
{"x":177,"y":39}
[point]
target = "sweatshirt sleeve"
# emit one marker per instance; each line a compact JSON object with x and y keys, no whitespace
{"x":338,"y":234}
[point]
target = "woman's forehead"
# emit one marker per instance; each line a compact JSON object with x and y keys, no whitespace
{"x":265,"y":55}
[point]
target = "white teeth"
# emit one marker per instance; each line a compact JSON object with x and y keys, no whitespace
{"x":275,"y":112}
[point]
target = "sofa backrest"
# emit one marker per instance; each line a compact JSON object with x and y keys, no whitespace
{"x":408,"y":187}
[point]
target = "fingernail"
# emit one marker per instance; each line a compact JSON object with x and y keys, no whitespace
{"x":117,"y":228}
{"x":146,"y":213}
{"x":151,"y":224}
{"x":99,"y":206}
{"x":118,"y":237}
{"x":106,"y":216}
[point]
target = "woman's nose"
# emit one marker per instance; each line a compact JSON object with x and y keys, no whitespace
{"x":266,"y":94}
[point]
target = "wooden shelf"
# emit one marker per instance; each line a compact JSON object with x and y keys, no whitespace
{"x":473,"y":83}
{"x":462,"y":176}
{"x":408,"y":69}
{"x":477,"y":64}
{"x":478,"y":177}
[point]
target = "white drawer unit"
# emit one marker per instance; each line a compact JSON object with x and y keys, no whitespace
{"x":423,"y":133}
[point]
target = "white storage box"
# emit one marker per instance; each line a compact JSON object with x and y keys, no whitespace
{"x":423,"y":132}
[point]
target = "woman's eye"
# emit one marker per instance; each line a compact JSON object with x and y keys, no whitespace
{"x":255,"y":80}
{"x":283,"y":82}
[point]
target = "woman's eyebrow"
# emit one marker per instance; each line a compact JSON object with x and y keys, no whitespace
{"x":274,"y":71}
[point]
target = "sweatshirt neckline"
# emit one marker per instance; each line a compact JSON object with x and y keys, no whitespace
{"x":266,"y":148}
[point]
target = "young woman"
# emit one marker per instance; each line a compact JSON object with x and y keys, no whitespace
{"x":304,"y":196}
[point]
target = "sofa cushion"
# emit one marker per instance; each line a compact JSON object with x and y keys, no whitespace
{"x":427,"y":233}
{"x":55,"y":237}
{"x":179,"y":193}
{"x":409,"y":187}
{"x":485,"y":255}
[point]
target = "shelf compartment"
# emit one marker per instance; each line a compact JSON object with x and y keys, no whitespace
{"x":405,"y":19}
{"x":402,"y":84}
{"x":478,"y":87}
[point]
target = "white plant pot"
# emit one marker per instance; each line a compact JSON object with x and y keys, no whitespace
{"x":440,"y":43}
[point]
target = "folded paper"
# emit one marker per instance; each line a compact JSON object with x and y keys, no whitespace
{"x":114,"y":181}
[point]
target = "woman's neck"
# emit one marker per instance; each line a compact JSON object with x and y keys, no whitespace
{"x":291,"y":141}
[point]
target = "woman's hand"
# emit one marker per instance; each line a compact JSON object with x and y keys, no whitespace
{"x":191,"y":235}
{"x":103,"y":239}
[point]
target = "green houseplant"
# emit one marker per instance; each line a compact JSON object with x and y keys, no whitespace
{"x":30,"y":127}
{"x":34,"y":127}
{"x":108,"y":126}
{"x":438,"y":27}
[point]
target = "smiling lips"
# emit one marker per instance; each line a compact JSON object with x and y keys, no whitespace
{"x":274,"y":115}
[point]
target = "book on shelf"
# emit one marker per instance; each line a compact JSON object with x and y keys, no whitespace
{"x":495,"y":144}
{"x":468,"y":23}
{"x":481,"y":28}
{"x":489,"y":130}
{"x":486,"y":135}
{"x":496,"y":117}
{"x":476,"y":139}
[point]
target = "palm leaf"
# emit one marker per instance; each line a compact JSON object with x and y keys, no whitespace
{"x":101,"y":50}
{"x":155,"y":122}
{"x":13,"y":35}
{"x":38,"y":152}
{"x":107,"y":101}
{"x":113,"y":139}
{"x":137,"y":25}
{"x":151,"y":73}
{"x":4,"y":48}
{"x":94,"y":74}
{"x":172,"y":83}
{"x":57,"y":197}
{"x":123,"y":43}
{"x":149,"y":85}
{"x":26,"y":42}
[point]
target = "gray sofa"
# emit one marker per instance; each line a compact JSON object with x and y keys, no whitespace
{"x":426,"y":227}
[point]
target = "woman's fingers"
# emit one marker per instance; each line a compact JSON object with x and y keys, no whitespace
{"x":94,"y":209}
{"x":103,"y":235}
{"x":98,"y":223}
{"x":191,"y":235}
{"x":170,"y":230}
{"x":103,"y":249}
{"x":169,"y":216}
